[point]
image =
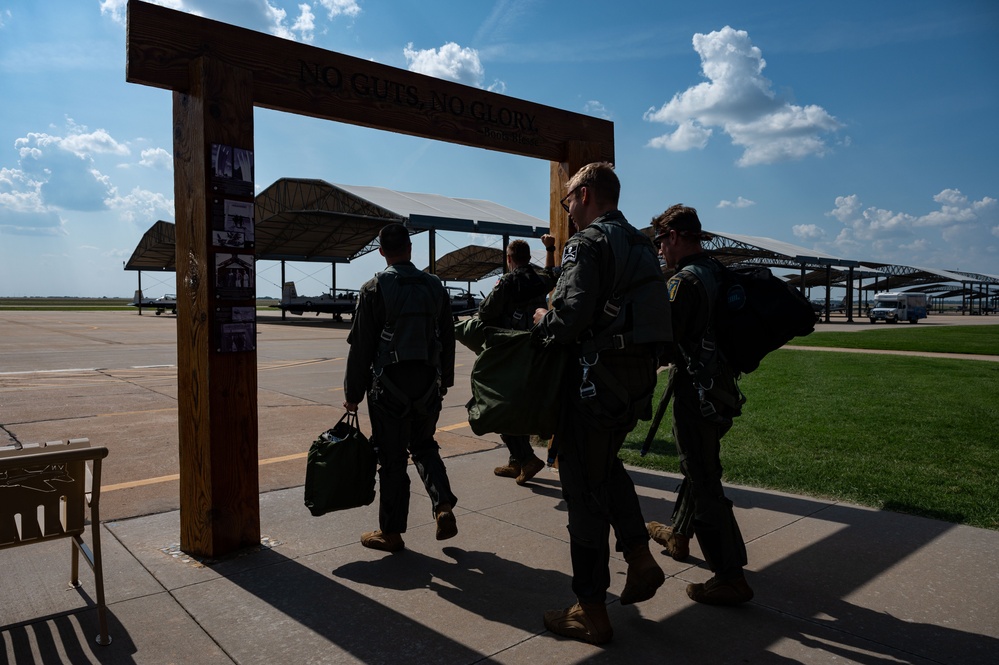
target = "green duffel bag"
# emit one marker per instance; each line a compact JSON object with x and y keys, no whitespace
{"x":515,"y":380}
{"x":340,"y":472}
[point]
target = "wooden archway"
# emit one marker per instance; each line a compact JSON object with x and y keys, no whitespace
{"x":218,"y":73}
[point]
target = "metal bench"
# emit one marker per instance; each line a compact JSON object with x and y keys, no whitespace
{"x":44,"y":492}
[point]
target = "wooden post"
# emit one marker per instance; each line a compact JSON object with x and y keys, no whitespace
{"x":217,"y":390}
{"x":577,"y":154}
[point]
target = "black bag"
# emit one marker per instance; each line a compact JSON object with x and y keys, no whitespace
{"x":754,"y":313}
{"x":340,"y":472}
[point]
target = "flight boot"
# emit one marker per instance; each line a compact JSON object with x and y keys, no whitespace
{"x":587,"y":622}
{"x":379,"y":540}
{"x":676,"y":544}
{"x":529,"y":470}
{"x":447,"y":526}
{"x":644,"y":575}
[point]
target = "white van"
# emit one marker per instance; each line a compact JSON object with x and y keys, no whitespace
{"x":892,"y":307}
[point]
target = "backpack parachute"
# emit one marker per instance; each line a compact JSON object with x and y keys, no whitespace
{"x":754,"y":312}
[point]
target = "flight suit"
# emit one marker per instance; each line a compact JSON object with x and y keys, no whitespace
{"x":405,"y":380}
{"x":704,"y":404}
{"x":611,"y":306}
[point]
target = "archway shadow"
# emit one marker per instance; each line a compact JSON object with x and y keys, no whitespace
{"x":815,"y":595}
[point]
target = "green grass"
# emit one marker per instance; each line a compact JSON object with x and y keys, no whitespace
{"x":69,"y":304}
{"x":907,"y":434}
{"x":980,"y":339}
{"x":63,"y":304}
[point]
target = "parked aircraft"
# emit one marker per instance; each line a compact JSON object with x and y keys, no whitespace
{"x":463,"y":303}
{"x":162,"y":304}
{"x":337,"y":303}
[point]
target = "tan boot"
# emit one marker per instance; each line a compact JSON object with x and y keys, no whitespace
{"x":447,"y":526}
{"x":721,"y":592}
{"x":676,"y":544}
{"x":529,"y":470}
{"x":587,"y":622}
{"x":379,"y":540}
{"x":508,"y":470}
{"x":644,"y":576}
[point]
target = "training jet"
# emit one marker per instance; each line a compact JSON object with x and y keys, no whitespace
{"x":463,"y":303}
{"x":162,"y":304}
{"x":337,"y":303}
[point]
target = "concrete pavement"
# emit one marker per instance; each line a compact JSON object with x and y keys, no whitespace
{"x":834,"y":582}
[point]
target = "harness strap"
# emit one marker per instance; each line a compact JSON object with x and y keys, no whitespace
{"x":418,"y":405}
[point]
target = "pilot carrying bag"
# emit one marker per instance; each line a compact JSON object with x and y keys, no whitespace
{"x":515,"y":380}
{"x":340,"y":472}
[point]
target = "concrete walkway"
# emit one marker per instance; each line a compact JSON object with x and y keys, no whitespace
{"x":834,"y":583}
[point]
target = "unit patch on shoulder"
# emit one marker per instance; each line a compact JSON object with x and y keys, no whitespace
{"x":569,"y":254}
{"x":672,"y":288}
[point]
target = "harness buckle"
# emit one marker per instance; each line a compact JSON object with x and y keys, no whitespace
{"x":586,"y":387}
{"x":611,"y":310}
{"x":707,"y":408}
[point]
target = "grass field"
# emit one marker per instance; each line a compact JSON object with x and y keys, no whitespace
{"x":47,"y":304}
{"x":909,"y":434}
{"x":982,"y":340}
{"x":71,"y":304}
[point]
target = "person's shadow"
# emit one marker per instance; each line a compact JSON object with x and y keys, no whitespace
{"x":497,"y":589}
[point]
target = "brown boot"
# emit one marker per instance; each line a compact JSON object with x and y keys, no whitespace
{"x":508,"y":470}
{"x":529,"y":470}
{"x":447,"y":527}
{"x":587,"y":622}
{"x":644,"y":576}
{"x":379,"y":540}
{"x":721,"y":592}
{"x":676,"y":544}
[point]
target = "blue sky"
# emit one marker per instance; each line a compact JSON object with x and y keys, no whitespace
{"x":862,"y":129}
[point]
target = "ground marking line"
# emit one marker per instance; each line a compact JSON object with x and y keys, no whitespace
{"x":270,"y":460}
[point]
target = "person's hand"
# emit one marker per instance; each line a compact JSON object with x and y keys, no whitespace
{"x":350,"y":406}
{"x":539,"y":314}
{"x":548,"y":241}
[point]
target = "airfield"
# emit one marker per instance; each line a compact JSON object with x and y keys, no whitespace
{"x":834,"y":582}
{"x":112,"y":377}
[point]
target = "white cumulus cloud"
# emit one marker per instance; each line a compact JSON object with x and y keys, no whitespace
{"x":687,"y":136}
{"x":944,"y":237}
{"x":60,"y":173}
{"x":738,"y":203}
{"x":141,"y":204}
{"x":740,"y":101}
{"x":156,"y":158}
{"x":451,"y":62}
{"x":336,"y":8}
{"x":808,"y":232}
{"x":595,"y":108}
{"x":262,"y":15}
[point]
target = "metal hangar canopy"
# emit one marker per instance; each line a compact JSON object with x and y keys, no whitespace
{"x":313,"y":220}
{"x":299,"y":219}
{"x":470,"y":264}
{"x":157,"y":249}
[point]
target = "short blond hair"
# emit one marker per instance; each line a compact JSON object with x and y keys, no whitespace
{"x":600,"y":179}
